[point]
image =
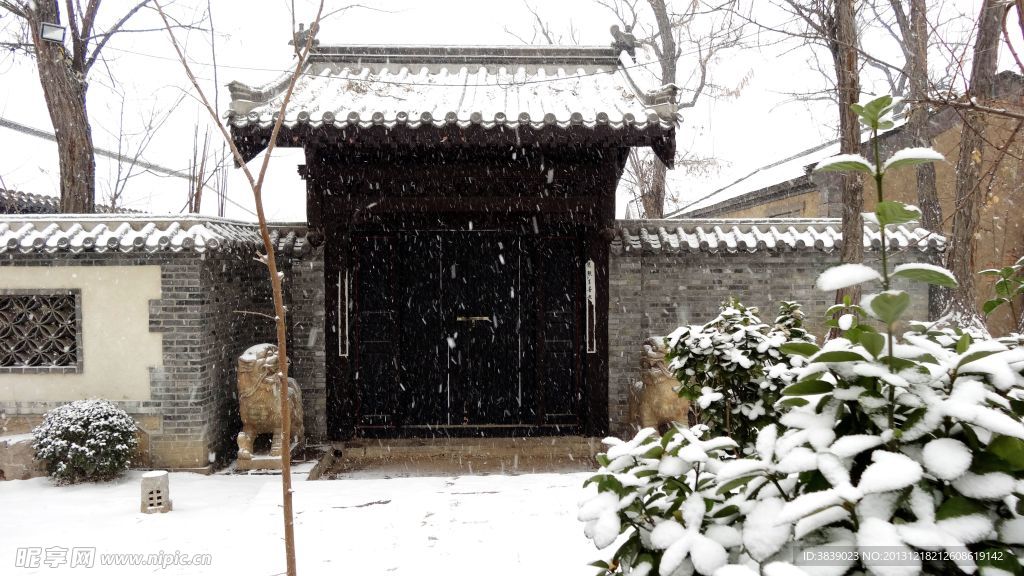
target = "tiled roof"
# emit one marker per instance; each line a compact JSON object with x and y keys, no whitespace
{"x":76,"y":233}
{"x":749,"y":235}
{"x":15,"y":202}
{"x":414,"y":86}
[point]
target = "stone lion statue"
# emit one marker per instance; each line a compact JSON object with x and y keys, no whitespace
{"x":259,"y":401}
{"x":654,"y":402}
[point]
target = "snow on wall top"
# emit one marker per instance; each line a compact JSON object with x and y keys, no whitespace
{"x":751,"y":235}
{"x":438,"y":85}
{"x":77,"y":233}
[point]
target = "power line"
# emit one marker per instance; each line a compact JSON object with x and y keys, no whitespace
{"x":19,"y":127}
{"x":30,"y":131}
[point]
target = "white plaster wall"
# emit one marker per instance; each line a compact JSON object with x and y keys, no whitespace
{"x":117,"y":345}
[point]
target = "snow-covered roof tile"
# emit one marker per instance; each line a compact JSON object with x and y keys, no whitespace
{"x":76,"y":233}
{"x":15,"y":202}
{"x":535,"y":86}
{"x":751,"y":235}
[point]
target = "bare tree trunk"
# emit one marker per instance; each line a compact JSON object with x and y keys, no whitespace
{"x":960,"y":252}
{"x":654,"y":204}
{"x":654,"y":198}
{"x":667,"y":39}
{"x":915,"y":47}
{"x":843,"y":46}
{"x":64,"y":91}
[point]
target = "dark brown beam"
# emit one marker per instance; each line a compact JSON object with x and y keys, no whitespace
{"x":252,"y":139}
{"x":470,"y":204}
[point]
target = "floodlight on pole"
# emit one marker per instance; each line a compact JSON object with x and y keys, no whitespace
{"x":52,"y":32}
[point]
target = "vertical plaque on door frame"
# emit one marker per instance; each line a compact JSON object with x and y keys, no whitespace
{"x":343,"y":311}
{"x":591,"y":306}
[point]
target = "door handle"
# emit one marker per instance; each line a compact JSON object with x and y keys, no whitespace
{"x":472,"y":318}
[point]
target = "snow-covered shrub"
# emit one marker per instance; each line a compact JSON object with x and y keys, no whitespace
{"x":790,"y":322}
{"x":660,"y":491}
{"x":86,"y":440}
{"x":726,"y":367}
{"x":892,"y":456}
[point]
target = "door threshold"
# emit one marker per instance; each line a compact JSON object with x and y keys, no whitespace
{"x":468,"y":430}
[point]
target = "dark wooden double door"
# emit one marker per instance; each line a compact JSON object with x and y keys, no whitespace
{"x":467,"y":331}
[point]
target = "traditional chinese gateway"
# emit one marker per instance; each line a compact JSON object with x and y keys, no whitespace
{"x":465,"y":198}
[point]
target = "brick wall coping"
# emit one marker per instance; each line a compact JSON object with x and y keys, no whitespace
{"x":142,"y":233}
{"x":753,"y":234}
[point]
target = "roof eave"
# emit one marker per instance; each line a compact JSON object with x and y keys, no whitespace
{"x":660,"y":136}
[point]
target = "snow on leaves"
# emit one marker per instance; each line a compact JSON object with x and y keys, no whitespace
{"x":846,"y":163}
{"x":947,"y":473}
{"x":912,"y":157}
{"x":888,"y":472}
{"x":946,"y":458}
{"x":846,"y":275}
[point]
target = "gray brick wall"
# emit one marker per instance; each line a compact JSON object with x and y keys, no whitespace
{"x":236,"y":304}
{"x":305,"y":282}
{"x":653,"y":294}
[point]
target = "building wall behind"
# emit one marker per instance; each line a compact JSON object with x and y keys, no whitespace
{"x":117,"y":350}
{"x":1000,"y":238}
{"x":653,"y":294}
{"x":805,"y":205}
{"x":1000,"y":235}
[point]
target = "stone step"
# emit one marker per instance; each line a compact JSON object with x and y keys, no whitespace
{"x":454,"y":456}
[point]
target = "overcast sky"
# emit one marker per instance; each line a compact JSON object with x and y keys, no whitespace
{"x":760,"y":124}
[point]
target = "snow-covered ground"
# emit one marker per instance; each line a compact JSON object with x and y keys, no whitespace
{"x":493,"y":525}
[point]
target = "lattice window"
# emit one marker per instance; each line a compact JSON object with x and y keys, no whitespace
{"x":40,"y":331}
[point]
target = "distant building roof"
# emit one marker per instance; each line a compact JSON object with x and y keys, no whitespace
{"x":752,"y":235}
{"x":77,"y":233}
{"x":792,"y":175}
{"x":517,"y":90}
{"x":15,"y":202}
{"x":774,"y":181}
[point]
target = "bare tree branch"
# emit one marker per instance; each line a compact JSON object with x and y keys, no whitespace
{"x":280,"y":311}
{"x":973,"y":105}
{"x":1019,"y":4}
{"x":91,"y":59}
